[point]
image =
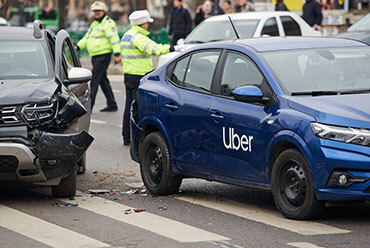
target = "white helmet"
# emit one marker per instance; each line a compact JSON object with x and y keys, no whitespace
{"x":139,"y":17}
{"x":97,"y":5}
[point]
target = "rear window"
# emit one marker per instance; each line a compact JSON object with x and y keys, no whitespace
{"x":23,"y":60}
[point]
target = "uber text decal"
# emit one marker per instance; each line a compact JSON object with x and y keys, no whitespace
{"x":235,"y":142}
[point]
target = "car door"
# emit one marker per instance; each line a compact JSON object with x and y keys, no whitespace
{"x":66,"y":58}
{"x":240,"y":131}
{"x":185,"y":109}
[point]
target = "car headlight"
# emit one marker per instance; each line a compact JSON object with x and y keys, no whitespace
{"x":35,"y":113}
{"x":351,"y":135}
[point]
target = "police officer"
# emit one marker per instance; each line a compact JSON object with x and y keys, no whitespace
{"x":101,"y":38}
{"x":136,"y":52}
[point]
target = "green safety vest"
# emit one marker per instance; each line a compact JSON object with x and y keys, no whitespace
{"x":137,"y":51}
{"x":101,"y":38}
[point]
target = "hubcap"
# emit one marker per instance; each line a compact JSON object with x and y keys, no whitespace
{"x":154,"y":164}
{"x":293,"y":185}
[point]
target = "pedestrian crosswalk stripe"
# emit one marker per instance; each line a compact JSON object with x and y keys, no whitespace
{"x":154,"y":223}
{"x":43,"y":231}
{"x":98,"y":122}
{"x":304,"y":245}
{"x":269,"y":217}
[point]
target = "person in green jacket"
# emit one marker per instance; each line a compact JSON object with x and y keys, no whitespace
{"x":101,"y":38}
{"x":136,"y":53}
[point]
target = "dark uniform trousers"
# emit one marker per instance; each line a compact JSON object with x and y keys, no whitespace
{"x":131,"y":85}
{"x":99,"y":77}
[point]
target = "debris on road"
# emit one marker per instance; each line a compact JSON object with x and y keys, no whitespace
{"x":68,"y":205}
{"x":162,"y":208}
{"x":135,"y":210}
{"x":99,"y":191}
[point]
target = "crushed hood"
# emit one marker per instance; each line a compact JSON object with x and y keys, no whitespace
{"x":342,"y":110}
{"x":19,"y":91}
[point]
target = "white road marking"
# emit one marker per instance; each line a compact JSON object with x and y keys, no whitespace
{"x":160,"y":225}
{"x":43,"y":231}
{"x":304,"y":245}
{"x":265,"y":216}
{"x":97,"y":121}
{"x":224,"y":244}
{"x":116,"y":91}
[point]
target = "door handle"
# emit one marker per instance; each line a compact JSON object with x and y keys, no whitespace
{"x":171,"y":106}
{"x":217,"y":117}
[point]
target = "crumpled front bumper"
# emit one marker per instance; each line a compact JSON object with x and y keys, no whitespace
{"x":52,"y":157}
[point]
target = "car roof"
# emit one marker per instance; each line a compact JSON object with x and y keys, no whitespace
{"x":296,"y":43}
{"x":16,"y":33}
{"x":248,"y":15}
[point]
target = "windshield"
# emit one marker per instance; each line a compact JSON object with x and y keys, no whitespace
{"x":221,"y":30}
{"x":362,"y":25}
{"x":22,"y":60}
{"x":321,"y":70}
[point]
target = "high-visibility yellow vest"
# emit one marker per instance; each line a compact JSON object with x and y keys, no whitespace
{"x":137,"y":51}
{"x":101,"y":38}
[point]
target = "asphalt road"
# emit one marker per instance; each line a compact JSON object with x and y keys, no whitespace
{"x":203,"y":214}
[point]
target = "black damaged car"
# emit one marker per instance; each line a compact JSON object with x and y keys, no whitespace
{"x":44,"y":109}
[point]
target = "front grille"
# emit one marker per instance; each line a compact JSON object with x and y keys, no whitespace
{"x":10,"y":115}
{"x":8,"y":163}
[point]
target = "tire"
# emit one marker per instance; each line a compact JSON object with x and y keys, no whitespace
{"x":155,"y":166}
{"x":292,"y":187}
{"x":66,"y":187}
{"x":81,"y":169}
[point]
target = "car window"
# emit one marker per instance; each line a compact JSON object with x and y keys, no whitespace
{"x":245,"y":28}
{"x":206,"y":32}
{"x":23,"y":60}
{"x":336,"y":69}
{"x":200,"y":71}
{"x":291,"y":27}
{"x":68,"y":61}
{"x":270,"y":28}
{"x":362,"y":25}
{"x":239,"y":71}
{"x":178,"y":74}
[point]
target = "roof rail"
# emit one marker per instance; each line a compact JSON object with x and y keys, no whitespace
{"x":37,"y":27}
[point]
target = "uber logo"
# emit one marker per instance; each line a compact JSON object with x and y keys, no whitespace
{"x":236,"y":142}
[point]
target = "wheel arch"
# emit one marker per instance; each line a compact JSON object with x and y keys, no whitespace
{"x":283,"y":141}
{"x":151,"y":124}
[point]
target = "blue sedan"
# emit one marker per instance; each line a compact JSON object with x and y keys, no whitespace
{"x":290,"y":115}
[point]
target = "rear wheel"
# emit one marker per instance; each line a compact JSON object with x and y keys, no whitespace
{"x":155,"y":166}
{"x":66,"y":187}
{"x":292,"y":187}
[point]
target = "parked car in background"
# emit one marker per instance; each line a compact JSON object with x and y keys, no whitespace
{"x":77,"y":26}
{"x":290,"y":115}
{"x":243,"y":25}
{"x":4,"y":22}
{"x":44,"y":109}
{"x":360,"y":30}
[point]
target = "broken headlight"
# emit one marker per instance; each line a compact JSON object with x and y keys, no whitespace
{"x":351,"y":135}
{"x":36,"y":113}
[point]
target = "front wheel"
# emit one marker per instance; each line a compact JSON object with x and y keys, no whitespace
{"x":66,"y":187}
{"x":155,"y":166}
{"x":292,"y":187}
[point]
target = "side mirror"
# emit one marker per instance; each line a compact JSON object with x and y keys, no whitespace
{"x":249,"y":94}
{"x":78,"y":75}
{"x":180,"y":41}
